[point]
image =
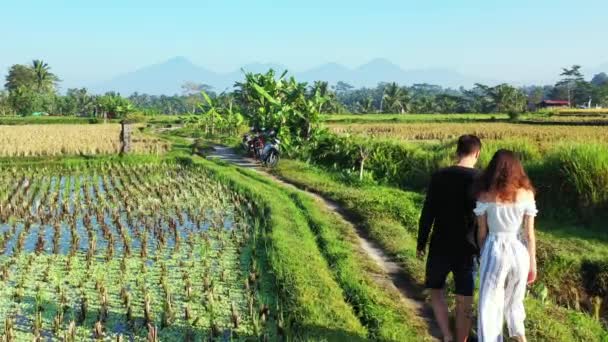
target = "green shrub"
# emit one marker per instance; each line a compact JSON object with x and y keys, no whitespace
{"x":575,"y":178}
{"x":569,"y":178}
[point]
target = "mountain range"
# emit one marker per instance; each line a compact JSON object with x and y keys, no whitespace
{"x":167,"y":77}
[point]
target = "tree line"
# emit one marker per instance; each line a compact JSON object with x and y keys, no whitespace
{"x":504,"y":98}
{"x":33,"y":88}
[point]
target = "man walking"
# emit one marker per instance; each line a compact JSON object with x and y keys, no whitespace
{"x":448,"y":212}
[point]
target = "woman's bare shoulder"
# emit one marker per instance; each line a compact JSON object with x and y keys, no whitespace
{"x":525,"y":195}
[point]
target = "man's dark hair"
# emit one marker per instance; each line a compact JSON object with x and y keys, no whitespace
{"x":467,"y":145}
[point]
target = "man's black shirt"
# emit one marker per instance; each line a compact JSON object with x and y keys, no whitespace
{"x":448,"y":210}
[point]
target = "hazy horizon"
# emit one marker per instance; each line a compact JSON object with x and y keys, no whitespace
{"x":517,"y":42}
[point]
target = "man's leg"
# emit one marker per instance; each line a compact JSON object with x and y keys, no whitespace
{"x":464,"y":317}
{"x":440,"y":308}
{"x":464,"y":280}
{"x":437,"y":269}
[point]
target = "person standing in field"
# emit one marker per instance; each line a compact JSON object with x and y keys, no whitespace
{"x":505,"y":204}
{"x":448,"y":213}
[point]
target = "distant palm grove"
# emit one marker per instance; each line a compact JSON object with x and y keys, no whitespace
{"x":33,"y":89}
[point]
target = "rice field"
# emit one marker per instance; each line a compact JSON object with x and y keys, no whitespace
{"x":542,"y":134}
{"x":60,"y":139}
{"x":141,"y":252}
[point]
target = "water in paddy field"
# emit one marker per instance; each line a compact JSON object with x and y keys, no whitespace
{"x":70,"y":209}
{"x":71,"y":233}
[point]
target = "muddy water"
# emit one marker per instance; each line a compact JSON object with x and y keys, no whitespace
{"x":70,"y":192}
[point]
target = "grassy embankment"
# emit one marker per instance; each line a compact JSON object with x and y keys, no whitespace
{"x":380,"y":308}
{"x":298,"y":226}
{"x":390,"y":215}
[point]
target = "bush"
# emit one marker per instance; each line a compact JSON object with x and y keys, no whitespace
{"x":569,"y":178}
{"x":514,"y":116}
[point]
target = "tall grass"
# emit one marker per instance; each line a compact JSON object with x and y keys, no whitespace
{"x":581,"y":172}
{"x":571,"y":178}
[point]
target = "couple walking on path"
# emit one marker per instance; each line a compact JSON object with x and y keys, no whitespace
{"x":480,"y":214}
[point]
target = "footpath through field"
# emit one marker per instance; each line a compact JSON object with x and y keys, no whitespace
{"x":393,"y":274}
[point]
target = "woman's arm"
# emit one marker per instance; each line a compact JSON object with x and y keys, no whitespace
{"x":482,"y":230}
{"x":531,"y":238}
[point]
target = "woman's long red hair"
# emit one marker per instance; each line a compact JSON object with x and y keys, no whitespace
{"x":504,"y":176}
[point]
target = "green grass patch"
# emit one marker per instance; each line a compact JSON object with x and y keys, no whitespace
{"x":313,"y":298}
{"x":390,"y":217}
{"x":379,"y":306}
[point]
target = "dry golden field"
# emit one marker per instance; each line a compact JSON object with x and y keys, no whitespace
{"x":57,"y":139}
{"x":486,"y":130}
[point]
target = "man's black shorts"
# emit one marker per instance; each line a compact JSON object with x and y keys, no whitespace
{"x":438,"y":266}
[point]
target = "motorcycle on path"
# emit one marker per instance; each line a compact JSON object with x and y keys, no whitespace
{"x":271,"y":153}
{"x":263,"y":146}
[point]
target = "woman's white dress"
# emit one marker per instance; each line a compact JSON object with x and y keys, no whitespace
{"x":504,"y":269}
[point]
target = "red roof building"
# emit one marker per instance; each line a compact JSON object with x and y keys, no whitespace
{"x":553,"y":103}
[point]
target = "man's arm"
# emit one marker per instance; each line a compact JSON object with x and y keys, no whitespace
{"x":427,"y":218}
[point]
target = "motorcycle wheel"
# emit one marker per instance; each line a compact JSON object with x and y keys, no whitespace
{"x":273,"y":159}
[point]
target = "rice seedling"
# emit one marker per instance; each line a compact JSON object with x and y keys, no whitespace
{"x":118,"y":247}
{"x":9,"y":330}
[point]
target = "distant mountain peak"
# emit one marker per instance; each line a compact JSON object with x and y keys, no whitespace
{"x":168,"y":76}
{"x":333,"y":65}
{"x":376,"y":62}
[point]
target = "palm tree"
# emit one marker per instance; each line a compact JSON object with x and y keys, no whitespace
{"x":44,"y":78}
{"x":367,"y":105}
{"x":395,"y":98}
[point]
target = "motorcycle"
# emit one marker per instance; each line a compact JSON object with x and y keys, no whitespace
{"x":259,"y":142}
{"x":271,"y":153}
{"x":248,"y":142}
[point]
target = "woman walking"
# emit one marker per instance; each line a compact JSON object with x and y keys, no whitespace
{"x":505,"y":204}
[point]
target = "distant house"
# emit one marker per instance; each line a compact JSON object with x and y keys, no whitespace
{"x":553,"y":103}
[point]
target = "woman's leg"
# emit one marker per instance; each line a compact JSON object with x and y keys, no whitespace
{"x":515,"y":293}
{"x":491,"y":293}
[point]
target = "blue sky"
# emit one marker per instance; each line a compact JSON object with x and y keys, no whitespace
{"x":517,"y":40}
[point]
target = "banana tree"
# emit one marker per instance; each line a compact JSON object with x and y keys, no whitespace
{"x":282,"y":104}
{"x":211,"y":114}
{"x":234,"y":119}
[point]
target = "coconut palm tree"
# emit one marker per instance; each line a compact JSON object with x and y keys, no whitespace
{"x":366,"y":106}
{"x":395,"y":99}
{"x":43,"y":77}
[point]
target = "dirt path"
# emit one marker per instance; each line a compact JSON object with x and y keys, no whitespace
{"x":394,"y":276}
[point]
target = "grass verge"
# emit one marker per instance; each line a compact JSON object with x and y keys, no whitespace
{"x":390,"y":217}
{"x":378,"y":305}
{"x":312,"y":297}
